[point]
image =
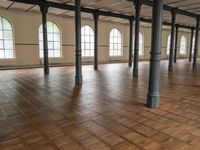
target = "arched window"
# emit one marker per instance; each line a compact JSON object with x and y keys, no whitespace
{"x":54,"y":40}
{"x":168,"y":44}
{"x":87,"y":41}
{"x":183,"y":45}
{"x":141,"y":44}
{"x":6,"y":40}
{"x":115,"y":43}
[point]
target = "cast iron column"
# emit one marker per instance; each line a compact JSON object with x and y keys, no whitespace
{"x":171,"y":54}
{"x":153,"y":96}
{"x":130,"y":42}
{"x":196,"y":46}
{"x":78,"y":76}
{"x":137,"y":28}
{"x":96,"y":18}
{"x":44,"y":10}
{"x":176,"y":43}
{"x":191,"y":45}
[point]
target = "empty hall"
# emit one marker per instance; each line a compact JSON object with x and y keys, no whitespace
{"x":99,"y":75}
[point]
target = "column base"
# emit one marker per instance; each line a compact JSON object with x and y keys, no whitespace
{"x":78,"y":80}
{"x":153,"y":101}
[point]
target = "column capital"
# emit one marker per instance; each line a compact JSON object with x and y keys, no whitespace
{"x":43,"y":6}
{"x":177,"y":26}
{"x":96,"y":14}
{"x":173,"y":11}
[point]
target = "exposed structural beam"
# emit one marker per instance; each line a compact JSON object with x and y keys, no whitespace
{"x":191,"y":44}
{"x":196,"y":46}
{"x":78,"y":76}
{"x":153,"y":96}
{"x":138,"y":5}
{"x":88,"y":10}
{"x":130,"y":61}
{"x":176,"y":43}
{"x":96,"y":28}
{"x":44,"y":10}
{"x":171,"y":53}
{"x":168,"y":8}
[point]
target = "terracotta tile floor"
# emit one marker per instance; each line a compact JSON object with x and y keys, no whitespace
{"x":108,"y":111}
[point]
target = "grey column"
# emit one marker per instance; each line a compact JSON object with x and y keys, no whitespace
{"x":191,"y":45}
{"x":153,"y":96}
{"x":196,"y":46}
{"x":131,"y":19}
{"x":96,"y":18}
{"x":171,"y":54}
{"x":137,"y":29}
{"x":44,"y":10}
{"x":176,"y":43}
{"x":78,"y":77}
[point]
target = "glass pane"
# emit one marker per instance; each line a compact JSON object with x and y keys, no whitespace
{"x":57,"y":53}
{"x":50,"y":53}
{"x":6,"y":25}
{"x":41,"y":53}
{"x":49,"y":26}
{"x":40,"y":36}
{"x":1,"y":44}
{"x":9,"y":54}
{"x":50,"y":45}
{"x":50,"y":36}
{"x":7,"y":35}
{"x":1,"y":54}
{"x":1,"y":34}
{"x":1,"y":23}
{"x":56,"y":37}
{"x":41,"y":45}
{"x":8,"y":44}
{"x":56,"y":29}
{"x":57,"y":45}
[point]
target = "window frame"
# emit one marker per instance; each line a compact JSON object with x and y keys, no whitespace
{"x":91,"y":43}
{"x":183,"y":44}
{"x":121,"y":39}
{"x":53,"y":33}
{"x":13,"y":40}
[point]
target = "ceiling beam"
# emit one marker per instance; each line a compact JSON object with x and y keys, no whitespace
{"x":91,"y":11}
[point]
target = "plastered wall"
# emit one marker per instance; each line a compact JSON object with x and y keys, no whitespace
{"x":26,"y":25}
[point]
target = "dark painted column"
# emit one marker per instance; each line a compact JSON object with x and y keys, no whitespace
{"x":78,"y":77}
{"x":196,"y":46}
{"x":44,"y":10}
{"x":176,"y":43}
{"x":137,"y":29}
{"x":191,"y":45}
{"x":131,"y":19}
{"x":96,"y":18}
{"x":153,"y":96}
{"x":171,"y":54}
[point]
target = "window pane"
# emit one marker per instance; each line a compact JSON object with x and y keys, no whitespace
{"x":8,"y":44}
{"x":9,"y":54}
{"x":1,"y":27}
{"x":41,"y":53}
{"x":1,"y":34}
{"x":50,"y":45}
{"x":1,"y":54}
{"x":50,"y":36}
{"x":1,"y":44}
{"x":57,"y":37}
{"x":57,"y":53}
{"x":7,"y":35}
{"x":51,"y":53}
{"x":6,"y":25}
{"x":56,"y":45}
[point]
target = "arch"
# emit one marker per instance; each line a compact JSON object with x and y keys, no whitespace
{"x":168,"y":43}
{"x":115,"y":42}
{"x":54,"y":40}
{"x":183,"y":45}
{"x":6,"y":39}
{"x":87,"y":41}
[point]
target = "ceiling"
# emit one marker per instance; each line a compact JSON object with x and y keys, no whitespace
{"x":116,"y":6}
